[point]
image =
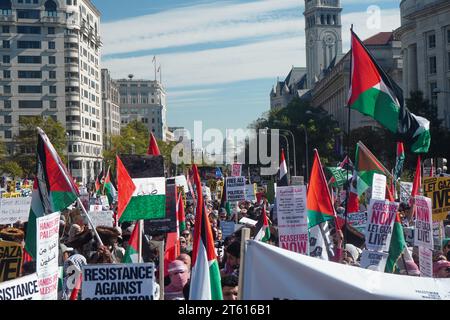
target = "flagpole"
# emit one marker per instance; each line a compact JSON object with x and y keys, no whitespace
{"x":161,"y":270}
{"x":244,"y":237}
{"x":141,"y":229}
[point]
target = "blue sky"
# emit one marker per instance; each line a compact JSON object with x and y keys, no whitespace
{"x":219,"y":59}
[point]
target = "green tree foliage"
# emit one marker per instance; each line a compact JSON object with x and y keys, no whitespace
{"x":12,"y":169}
{"x":26,"y":141}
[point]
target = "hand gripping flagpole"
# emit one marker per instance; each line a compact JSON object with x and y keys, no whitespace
{"x":63,"y":169}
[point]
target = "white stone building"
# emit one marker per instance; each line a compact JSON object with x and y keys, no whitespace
{"x":111,"y":109}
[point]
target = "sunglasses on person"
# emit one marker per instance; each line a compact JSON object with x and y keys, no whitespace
{"x":185,"y":234}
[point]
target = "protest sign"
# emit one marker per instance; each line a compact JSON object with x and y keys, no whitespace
{"x":131,"y":281}
{"x":292,"y":218}
{"x":379,"y":186}
{"x":373,"y":260}
{"x":250,"y":192}
{"x":95,"y":207}
{"x":10,"y":260}
{"x":236,"y":169}
{"x":423,"y":226}
{"x":245,"y":220}
{"x":169,"y":222}
{"x":405,"y":191}
{"x":317,"y":242}
{"x":438,"y":189}
{"x":358,"y":220}
{"x":105,"y":202}
{"x":227,"y":228}
{"x":310,"y":279}
{"x":14,"y":209}
{"x":408,"y":232}
{"x":437,"y":234}
{"x":235,"y":188}
{"x":23,"y":288}
{"x":425,"y":262}
{"x":181,"y":181}
{"x":380,"y":219}
{"x":297,"y":180}
{"x":47,"y":249}
{"x":101,"y":218}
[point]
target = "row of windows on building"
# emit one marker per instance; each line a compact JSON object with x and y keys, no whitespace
{"x":432,"y":64}
{"x":85,"y":121}
{"x":30,"y":13}
{"x":75,"y":148}
{"x":136,"y":100}
{"x":30,"y":104}
{"x":29,"y":59}
{"x":84,"y":134}
{"x":29,"y":89}
{"x":27,"y":29}
{"x":323,"y":19}
{"x":22,"y":44}
{"x":90,"y":96}
{"x":28,"y":74}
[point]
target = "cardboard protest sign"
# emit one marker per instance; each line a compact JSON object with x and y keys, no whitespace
{"x":380,"y":219}
{"x":10,"y":260}
{"x":227,"y":228}
{"x":292,"y":218}
{"x":131,"y":281}
{"x":358,"y":220}
{"x":14,"y":209}
{"x":423,"y":227}
{"x":438,"y":189}
{"x":169,"y":222}
{"x":23,"y":288}
{"x":405,"y":191}
{"x":379,"y":186}
{"x":47,"y":249}
{"x":250,"y":192}
{"x":236,"y":169}
{"x":425,"y":262}
{"x":373,"y":260}
{"x":101,"y":218}
{"x":235,"y":188}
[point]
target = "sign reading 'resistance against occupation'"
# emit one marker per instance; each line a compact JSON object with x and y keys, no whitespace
{"x":131,"y":281}
{"x":380,"y":219}
{"x":23,"y":288}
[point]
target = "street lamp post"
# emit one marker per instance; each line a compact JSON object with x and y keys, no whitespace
{"x":295,"y":154}
{"x":306,"y":154}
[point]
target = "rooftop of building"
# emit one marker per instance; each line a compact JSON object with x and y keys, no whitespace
{"x":380,"y":39}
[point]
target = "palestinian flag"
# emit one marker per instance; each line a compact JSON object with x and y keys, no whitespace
{"x":153,"y":149}
{"x":53,"y":188}
{"x":111,"y":192}
{"x":399,"y":160}
{"x":132,"y":252}
{"x":99,"y":183}
{"x":264,"y":233}
{"x":205,"y":275}
{"x":283,"y":171}
{"x":125,"y":187}
{"x":180,"y":213}
{"x":148,"y":200}
{"x":375,"y":94}
{"x":318,"y":203}
{"x":398,"y":244}
{"x":366,"y":165}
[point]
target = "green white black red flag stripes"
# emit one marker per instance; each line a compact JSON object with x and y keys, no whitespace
{"x":375,"y":94}
{"x":53,"y":188}
{"x":132,"y":252}
{"x":264,"y":233}
{"x":205,"y":276}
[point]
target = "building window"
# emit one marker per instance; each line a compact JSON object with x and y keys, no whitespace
{"x":448,"y":36}
{"x":6,"y":89}
{"x":6,"y":59}
{"x":51,"y":30}
{"x":432,"y":41}
{"x":432,"y":65}
{"x":52,"y":74}
{"x":433,"y":93}
{"x":50,"y":8}
{"x":6,"y":44}
{"x":8,"y":119}
{"x":28,"y":30}
{"x":7,"y":104}
{"x":28,"y":14}
{"x":448,"y":61}
{"x":29,"y":59}
{"x":5,"y":29}
{"x":51,"y":60}
{"x":25,"y":74}
{"x":51,"y":45}
{"x":8,"y":134}
{"x":53,"y":104}
{"x":30,"y":89}
{"x":28,"y":44}
{"x":30,"y":104}
{"x":6,"y":74}
{"x":52,"y":89}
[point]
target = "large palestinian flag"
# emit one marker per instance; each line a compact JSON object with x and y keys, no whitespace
{"x":318,"y":203}
{"x":375,"y":94}
{"x":148,"y":200}
{"x":205,"y":276}
{"x":53,"y":188}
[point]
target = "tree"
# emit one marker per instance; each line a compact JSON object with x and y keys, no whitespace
{"x":26,"y":140}
{"x":11,"y":168}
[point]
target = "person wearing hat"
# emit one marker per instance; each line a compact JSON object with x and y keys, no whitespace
{"x":12,"y":234}
{"x":110,"y":237}
{"x":179,"y":279}
{"x":441,"y":269}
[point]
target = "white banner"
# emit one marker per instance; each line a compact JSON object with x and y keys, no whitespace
{"x":131,"y":281}
{"x":292,"y":218}
{"x":379,"y":186}
{"x":426,"y":262}
{"x":423,"y":227}
{"x":101,"y":218}
{"x":23,"y":288}
{"x":405,"y":191}
{"x":288,"y":275}
{"x":47,"y":249}
{"x":380,"y":219}
{"x":14,"y":209}
{"x":235,"y":188}
{"x":374,"y":260}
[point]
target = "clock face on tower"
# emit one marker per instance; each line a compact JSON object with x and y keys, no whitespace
{"x":329,"y":39}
